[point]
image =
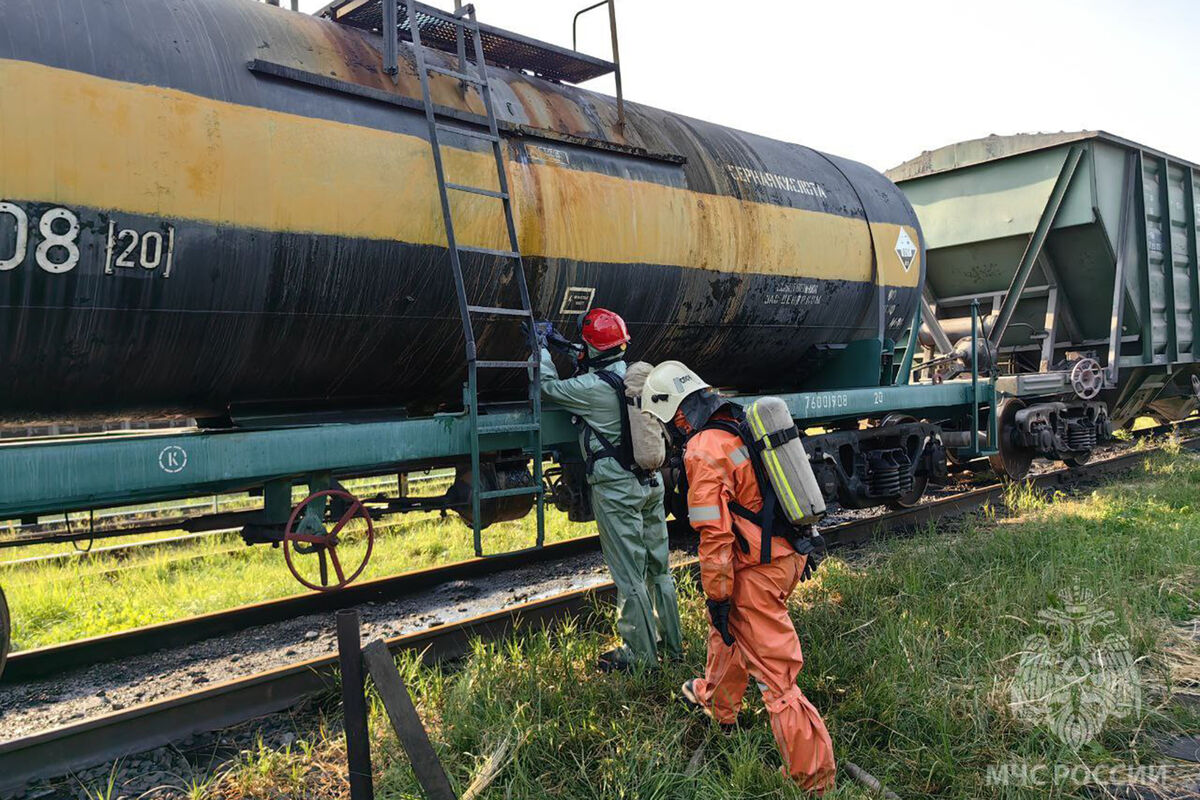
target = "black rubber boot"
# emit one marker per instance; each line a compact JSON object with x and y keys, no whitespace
{"x":613,"y":661}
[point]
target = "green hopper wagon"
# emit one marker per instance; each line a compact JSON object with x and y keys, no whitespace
{"x":1080,"y":249}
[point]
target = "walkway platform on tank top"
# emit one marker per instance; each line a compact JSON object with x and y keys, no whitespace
{"x":502,"y":48}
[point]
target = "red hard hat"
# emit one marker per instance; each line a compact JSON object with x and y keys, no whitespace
{"x":604,"y":329}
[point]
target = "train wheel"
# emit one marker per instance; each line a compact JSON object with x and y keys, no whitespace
{"x":1077,"y":461}
{"x":1014,"y":459}
{"x":912,"y":497}
{"x":330,"y":555}
{"x":5,"y":631}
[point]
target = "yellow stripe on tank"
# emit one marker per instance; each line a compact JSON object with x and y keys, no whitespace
{"x":77,"y":139}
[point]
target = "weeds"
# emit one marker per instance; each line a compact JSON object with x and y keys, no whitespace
{"x":910,"y":655}
{"x":108,"y":790}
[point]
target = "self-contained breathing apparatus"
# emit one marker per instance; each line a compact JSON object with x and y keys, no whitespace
{"x":771,"y":519}
{"x":623,"y":453}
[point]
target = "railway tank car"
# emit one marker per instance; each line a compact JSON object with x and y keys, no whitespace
{"x":213,"y":207}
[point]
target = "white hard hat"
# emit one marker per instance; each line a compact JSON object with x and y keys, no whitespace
{"x":666,"y":387}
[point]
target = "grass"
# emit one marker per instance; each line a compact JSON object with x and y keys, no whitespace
{"x":911,"y":652}
{"x":54,"y":602}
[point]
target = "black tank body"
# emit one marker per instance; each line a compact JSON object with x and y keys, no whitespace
{"x":185,"y":233}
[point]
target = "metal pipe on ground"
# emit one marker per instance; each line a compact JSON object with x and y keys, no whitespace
{"x":868,"y":780}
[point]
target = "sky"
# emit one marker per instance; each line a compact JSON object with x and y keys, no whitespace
{"x":880,"y":82}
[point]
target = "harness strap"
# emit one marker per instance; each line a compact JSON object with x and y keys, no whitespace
{"x":811,"y":545}
{"x":777,"y":439}
{"x":607,"y":450}
{"x":766,"y":518}
{"x":622,"y":454}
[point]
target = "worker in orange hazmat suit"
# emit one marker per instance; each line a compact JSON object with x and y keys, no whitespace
{"x":751,"y":633}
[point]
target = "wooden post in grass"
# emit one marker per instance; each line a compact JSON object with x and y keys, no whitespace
{"x":406,"y":721}
{"x":354,"y":704}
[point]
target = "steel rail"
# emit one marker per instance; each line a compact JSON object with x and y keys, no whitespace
{"x":80,"y":745}
{"x":43,"y":662}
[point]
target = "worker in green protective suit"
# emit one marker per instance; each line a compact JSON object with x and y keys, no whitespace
{"x":628,"y":503}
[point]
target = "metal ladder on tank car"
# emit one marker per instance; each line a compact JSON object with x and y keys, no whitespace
{"x":475,"y":73}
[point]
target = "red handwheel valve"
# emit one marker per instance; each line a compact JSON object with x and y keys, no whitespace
{"x":307,"y":534}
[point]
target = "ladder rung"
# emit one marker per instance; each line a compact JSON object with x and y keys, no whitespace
{"x":458,"y":187}
{"x":505,"y":364}
{"x":488,"y":495}
{"x":484,"y":135}
{"x":523,"y":427}
{"x":487,"y":251}
{"x":502,"y":312}
{"x":462,"y":76}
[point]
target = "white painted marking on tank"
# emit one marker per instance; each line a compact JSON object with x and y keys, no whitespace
{"x":108,"y":248}
{"x":21,"y":242}
{"x":56,"y":240}
{"x":172,"y":459}
{"x":577,"y":299}
{"x":905,"y":249}
{"x":170,"y":251}
{"x":772,"y":180}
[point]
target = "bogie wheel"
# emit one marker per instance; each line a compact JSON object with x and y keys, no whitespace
{"x":5,"y":631}
{"x":912,"y":497}
{"x":345,"y":548}
{"x":1075,"y":462}
{"x":1014,"y":459}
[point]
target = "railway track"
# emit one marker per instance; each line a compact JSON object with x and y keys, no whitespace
{"x":76,"y":746}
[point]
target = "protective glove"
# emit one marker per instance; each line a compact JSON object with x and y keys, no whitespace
{"x":811,"y":545}
{"x":718,"y":612}
{"x":541,"y":330}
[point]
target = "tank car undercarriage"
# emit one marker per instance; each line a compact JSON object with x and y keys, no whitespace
{"x":888,"y":459}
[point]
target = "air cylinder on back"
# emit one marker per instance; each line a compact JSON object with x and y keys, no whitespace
{"x":786,"y":463}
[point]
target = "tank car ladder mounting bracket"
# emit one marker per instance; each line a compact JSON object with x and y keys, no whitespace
{"x":459,"y":27}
